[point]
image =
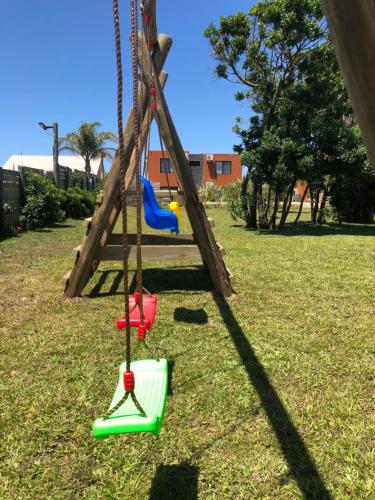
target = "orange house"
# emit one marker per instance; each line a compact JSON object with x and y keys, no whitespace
{"x":220,"y":169}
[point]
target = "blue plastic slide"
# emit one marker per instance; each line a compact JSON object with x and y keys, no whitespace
{"x":156,"y":217}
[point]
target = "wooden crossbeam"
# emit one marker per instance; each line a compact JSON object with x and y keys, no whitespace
{"x":154,"y":239}
{"x":155,"y":247}
{"x":153,"y":253}
{"x":106,"y":214}
{"x":203,"y":235}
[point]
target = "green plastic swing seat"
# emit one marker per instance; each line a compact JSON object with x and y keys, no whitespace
{"x":151,"y":383}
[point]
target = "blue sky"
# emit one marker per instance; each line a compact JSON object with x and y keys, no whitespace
{"x":57,"y":64}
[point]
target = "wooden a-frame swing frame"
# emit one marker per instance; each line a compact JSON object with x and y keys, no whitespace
{"x":99,"y":242}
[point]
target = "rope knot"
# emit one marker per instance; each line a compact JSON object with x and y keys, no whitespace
{"x":137,"y":297}
{"x":141,"y":334}
{"x":129,"y":381}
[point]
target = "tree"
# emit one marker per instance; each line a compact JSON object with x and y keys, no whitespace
{"x":352,"y":189}
{"x":88,"y":143}
{"x":263,"y":51}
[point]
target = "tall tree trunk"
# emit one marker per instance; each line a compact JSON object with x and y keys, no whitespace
{"x":321,"y":218}
{"x":268,"y":202}
{"x":290,"y":201}
{"x":311,"y":201}
{"x":287,"y":202}
{"x":275,"y":209}
{"x":251,"y":221}
{"x":87,"y":165}
{"x":301,"y":204}
{"x":244,"y":198}
{"x":262,"y":210}
{"x":315,"y":206}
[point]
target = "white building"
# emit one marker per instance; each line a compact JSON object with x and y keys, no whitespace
{"x":46,"y":163}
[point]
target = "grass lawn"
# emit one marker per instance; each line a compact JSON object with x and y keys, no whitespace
{"x":272,"y":392}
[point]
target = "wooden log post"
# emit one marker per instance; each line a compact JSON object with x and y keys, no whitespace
{"x":130,"y":172}
{"x":100,"y":224}
{"x":151,"y":11}
{"x":351,"y":23}
{"x":203,"y":235}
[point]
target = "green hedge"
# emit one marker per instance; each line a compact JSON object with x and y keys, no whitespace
{"x":45,"y":204}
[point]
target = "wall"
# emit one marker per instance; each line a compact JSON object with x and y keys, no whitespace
{"x":154,"y":173}
{"x":209,"y":174}
{"x":209,"y":170}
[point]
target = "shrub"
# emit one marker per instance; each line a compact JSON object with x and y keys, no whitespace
{"x":234,"y":199}
{"x":232,"y":191}
{"x":353,"y":196}
{"x":211,"y":193}
{"x":79,"y":203}
{"x":43,"y":203}
{"x":236,"y":207}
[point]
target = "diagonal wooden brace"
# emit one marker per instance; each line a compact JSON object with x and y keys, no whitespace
{"x":203,"y":235}
{"x":106,"y":214}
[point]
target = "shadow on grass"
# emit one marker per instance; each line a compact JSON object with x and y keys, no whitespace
{"x":193,"y":316}
{"x":7,"y":235}
{"x":301,"y":465}
{"x":61,"y":225}
{"x":97,"y":292}
{"x":180,"y":481}
{"x":172,"y":482}
{"x":308,"y":229}
{"x":178,"y":279}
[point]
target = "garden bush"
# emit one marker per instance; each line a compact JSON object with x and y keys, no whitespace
{"x":79,"y":202}
{"x":232,"y":191}
{"x":211,"y":193}
{"x":235,"y":200}
{"x":43,"y":203}
{"x":353,"y":196}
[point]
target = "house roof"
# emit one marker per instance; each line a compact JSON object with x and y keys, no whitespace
{"x":46,"y":162}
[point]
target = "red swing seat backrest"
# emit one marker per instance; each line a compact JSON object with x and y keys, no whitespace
{"x":149,"y":311}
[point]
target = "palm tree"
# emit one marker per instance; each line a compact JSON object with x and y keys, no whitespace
{"x":88,"y":143}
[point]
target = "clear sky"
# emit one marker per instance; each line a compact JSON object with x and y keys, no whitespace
{"x":57,"y":63}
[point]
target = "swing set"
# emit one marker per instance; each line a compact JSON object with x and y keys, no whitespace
{"x":138,"y":404}
{"x":100,"y":244}
{"x":140,"y":398}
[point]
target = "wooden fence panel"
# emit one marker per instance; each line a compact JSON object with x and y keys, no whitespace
{"x":10,"y":198}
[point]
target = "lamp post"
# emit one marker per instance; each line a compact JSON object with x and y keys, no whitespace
{"x":55,"y":129}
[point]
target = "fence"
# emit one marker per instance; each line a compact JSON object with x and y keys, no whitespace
{"x":10,"y":198}
{"x":12,"y":183}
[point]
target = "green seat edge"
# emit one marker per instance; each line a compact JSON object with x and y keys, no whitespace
{"x":153,"y":424}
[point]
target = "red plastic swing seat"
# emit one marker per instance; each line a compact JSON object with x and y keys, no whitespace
{"x":149,"y":311}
